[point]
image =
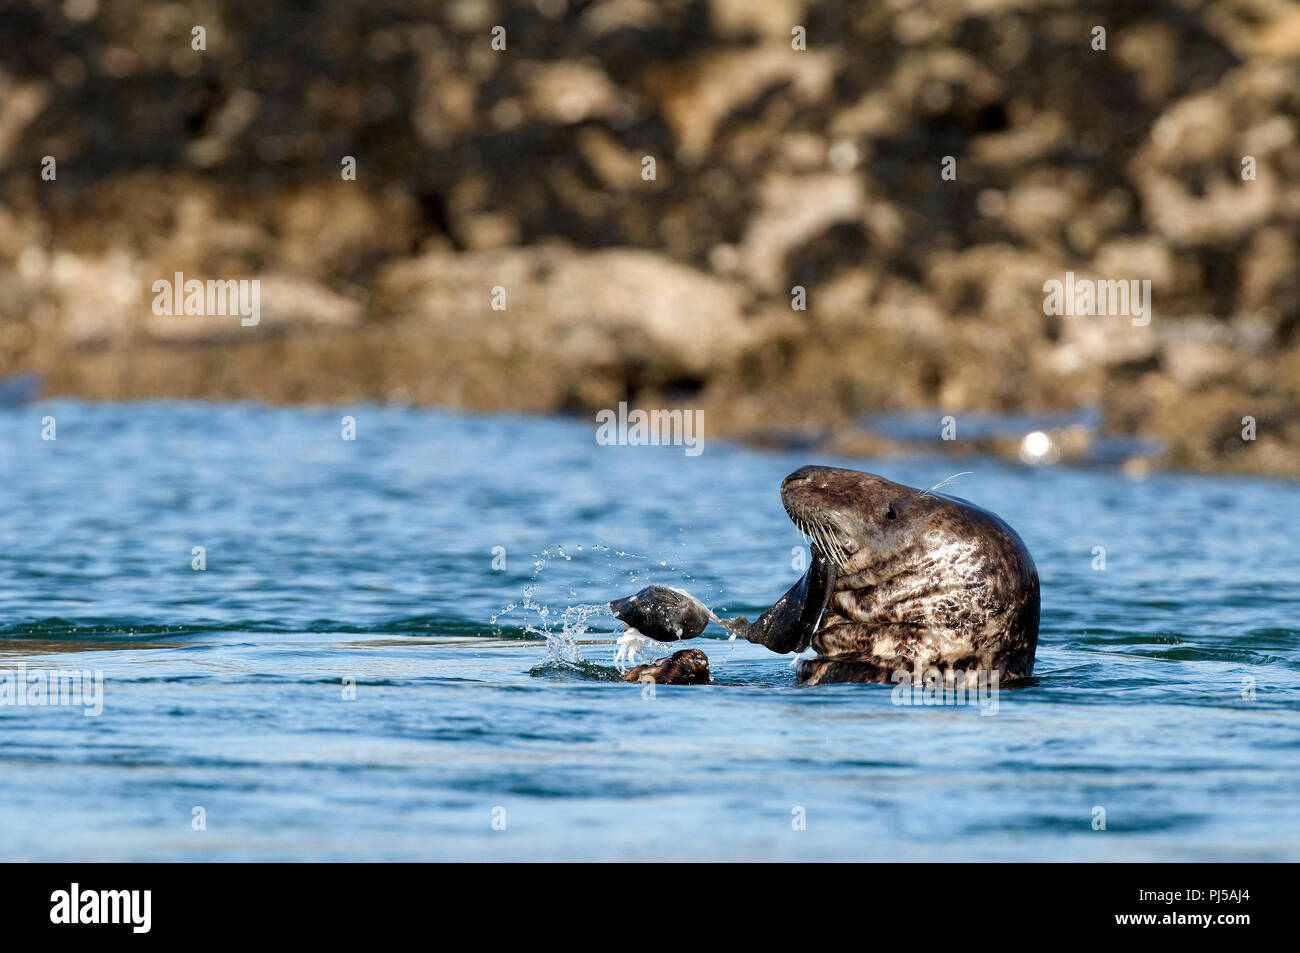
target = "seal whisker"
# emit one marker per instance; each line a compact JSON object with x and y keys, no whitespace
{"x":821,"y":538}
{"x":943,"y":483}
{"x":833,"y":542}
{"x":829,"y":543}
{"x":809,"y":531}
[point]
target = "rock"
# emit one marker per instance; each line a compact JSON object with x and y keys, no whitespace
{"x":578,"y":312}
{"x":773,"y":167}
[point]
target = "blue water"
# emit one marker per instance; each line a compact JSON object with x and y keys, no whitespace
{"x":372,"y":560}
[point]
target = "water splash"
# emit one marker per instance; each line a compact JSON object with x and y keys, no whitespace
{"x":564,"y":632}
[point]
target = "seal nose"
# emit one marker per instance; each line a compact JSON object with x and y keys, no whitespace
{"x":802,"y":475}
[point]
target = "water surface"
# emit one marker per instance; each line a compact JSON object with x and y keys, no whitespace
{"x":1167,"y":689}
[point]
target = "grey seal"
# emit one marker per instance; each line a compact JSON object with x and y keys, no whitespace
{"x":901,"y":580}
{"x":922,"y":581}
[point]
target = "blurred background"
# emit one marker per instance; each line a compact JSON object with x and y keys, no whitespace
{"x":227,"y":562}
{"x":773,"y":168}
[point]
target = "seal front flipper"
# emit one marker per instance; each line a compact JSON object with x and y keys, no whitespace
{"x":659,"y":614}
{"x":789,"y":625}
{"x":662,"y":613}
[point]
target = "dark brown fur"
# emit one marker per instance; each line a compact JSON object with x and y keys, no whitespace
{"x":687,"y":667}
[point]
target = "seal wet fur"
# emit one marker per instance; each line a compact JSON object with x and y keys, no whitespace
{"x":687,"y":667}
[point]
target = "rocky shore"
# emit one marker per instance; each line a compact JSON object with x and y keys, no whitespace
{"x":503,"y":244}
